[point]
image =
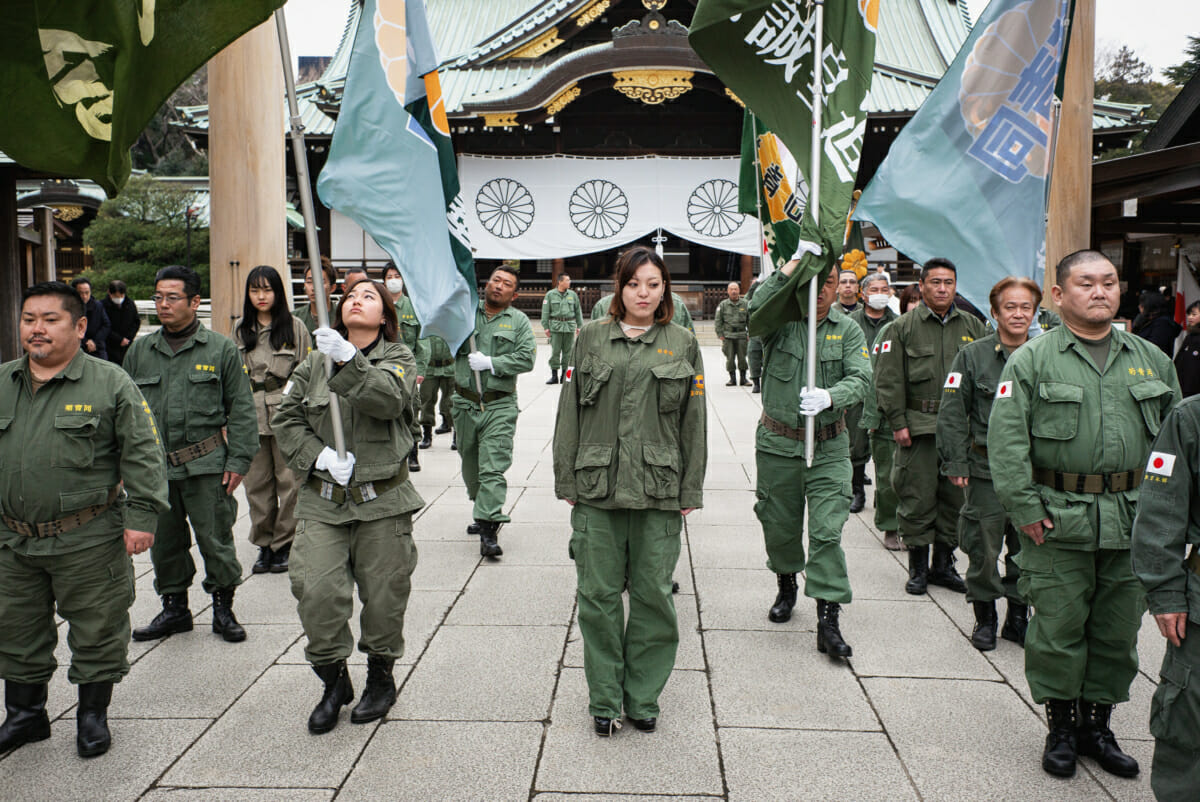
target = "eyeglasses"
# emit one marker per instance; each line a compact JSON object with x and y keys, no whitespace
{"x":173,"y":298}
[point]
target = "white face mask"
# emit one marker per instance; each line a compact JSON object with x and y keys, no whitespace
{"x":878,"y":300}
{"x":395,"y":285}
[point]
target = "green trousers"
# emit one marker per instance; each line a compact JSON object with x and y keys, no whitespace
{"x":735,"y":351}
{"x":202,"y":500}
{"x":431,"y":388}
{"x":883,"y":453}
{"x":91,"y":588}
{"x":1175,"y":722}
{"x":754,"y":355}
{"x":784,"y":484}
{"x":627,"y":663}
{"x":929,"y":502}
{"x":271,"y":488}
{"x":1082,"y":638}
{"x":414,"y":416}
{"x":561,"y":343}
{"x":485,"y":444}
{"x":983,"y":530}
{"x":329,"y":561}
{"x":860,"y":440}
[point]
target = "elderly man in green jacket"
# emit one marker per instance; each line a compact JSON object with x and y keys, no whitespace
{"x":732,"y":323}
{"x":562,"y":318}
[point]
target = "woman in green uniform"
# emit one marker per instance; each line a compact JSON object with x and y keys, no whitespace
{"x":629,"y":457}
{"x":273,"y":342}
{"x":355,"y":512}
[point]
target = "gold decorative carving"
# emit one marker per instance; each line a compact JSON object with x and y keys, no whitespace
{"x":499,"y":120}
{"x":654,"y":5}
{"x":538,"y":47}
{"x":68,"y":213}
{"x":591,"y":13}
{"x":734,"y":97}
{"x":561,"y":100}
{"x":653,"y":87}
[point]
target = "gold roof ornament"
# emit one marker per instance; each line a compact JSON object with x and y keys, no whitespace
{"x":538,"y":47}
{"x":653,"y":87}
{"x":654,"y":5}
{"x":503,"y":120}
{"x":734,"y":97}
{"x":561,"y":100}
{"x":68,"y":213}
{"x":591,"y":13}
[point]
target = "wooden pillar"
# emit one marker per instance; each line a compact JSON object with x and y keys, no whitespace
{"x":246,"y":168}
{"x":10,"y":268}
{"x":747,"y":276}
{"x":45,"y":269}
{"x":556,"y":267}
{"x":1069,"y":227}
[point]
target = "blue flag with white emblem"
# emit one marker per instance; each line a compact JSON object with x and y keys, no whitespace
{"x":966,"y":179}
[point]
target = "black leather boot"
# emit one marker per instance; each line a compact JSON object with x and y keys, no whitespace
{"x":1058,"y":758}
{"x":454,"y":442}
{"x":918,"y":570}
{"x":380,"y":693}
{"x":224,"y":624}
{"x":732,"y":380}
{"x":553,"y":377}
{"x":829,"y":634}
{"x":175,"y":617}
{"x":280,"y":560}
{"x":983,"y":637}
{"x":757,"y":386}
{"x":744,"y":381}
{"x":785,"y":600}
{"x":414,"y":465}
{"x":605,"y":726}
{"x":445,"y":428}
{"x":338,"y":692}
{"x":91,"y":719}
{"x":426,"y":435}
{"x":943,"y":572}
{"x":25,"y":715}
{"x":488,"y":545}
{"x":1095,"y":740}
{"x":263,"y":563}
{"x":473,"y":529}
{"x":1016,"y":622}
{"x":857,"y":485}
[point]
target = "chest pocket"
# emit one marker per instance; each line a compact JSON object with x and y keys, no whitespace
{"x":922,"y":364}
{"x":1055,"y":412}
{"x":150,"y":388}
{"x":783,"y":360}
{"x":831,"y":362}
{"x":1150,"y":397}
{"x":73,"y":445}
{"x":593,"y":375}
{"x":674,"y":380}
{"x":282,"y":363}
{"x":204,"y":402}
{"x":503,"y":342}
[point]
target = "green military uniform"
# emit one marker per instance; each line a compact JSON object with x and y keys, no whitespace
{"x":682,"y":316}
{"x":754,"y":351}
{"x":1167,"y":522}
{"x":860,"y":440}
{"x":630,"y":448}
{"x":410,"y":335}
{"x":1058,"y":419}
{"x":785,"y":483}
{"x":732,"y":323}
{"x":962,"y":427}
{"x":360,"y":535}
{"x":883,"y":447}
{"x":195,"y":393}
{"x":562,"y":316}
{"x":1048,"y":319}
{"x":439,"y":378}
{"x":305,"y":315}
{"x":913,"y":363}
{"x":485,"y":436}
{"x":63,"y":451}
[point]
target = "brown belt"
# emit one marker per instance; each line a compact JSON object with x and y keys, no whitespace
{"x":473,"y":397}
{"x":63,"y":525}
{"x":1088,"y":482}
{"x":929,"y":405}
{"x":360,"y":493}
{"x":978,"y":449}
{"x":186,"y":454}
{"x":779,"y":427}
{"x":272,"y":384}
{"x":440,"y":363}
{"x":563,"y":319}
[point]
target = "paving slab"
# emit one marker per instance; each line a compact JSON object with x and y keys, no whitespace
{"x":876,"y":574}
{"x":910,"y":639}
{"x":544,"y":543}
{"x":445,"y":565}
{"x":499,"y":595}
{"x":552,"y":797}
{"x":239,"y":794}
{"x":739,"y":599}
{"x":725,"y":546}
{"x":725,"y":507}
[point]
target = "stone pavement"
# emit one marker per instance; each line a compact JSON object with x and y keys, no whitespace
{"x":493,"y":701}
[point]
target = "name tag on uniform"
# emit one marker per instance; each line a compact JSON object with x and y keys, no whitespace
{"x":952,"y":381}
{"x":1004,"y":390}
{"x":1160,"y":463}
{"x":287,"y":388}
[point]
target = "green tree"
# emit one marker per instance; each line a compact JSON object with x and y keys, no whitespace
{"x":1123,"y":77}
{"x":1180,"y":74}
{"x":163,"y":148}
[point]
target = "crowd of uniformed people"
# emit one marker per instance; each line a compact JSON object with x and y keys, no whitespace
{"x":1053,"y":452}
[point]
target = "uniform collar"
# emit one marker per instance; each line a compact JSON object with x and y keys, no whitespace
{"x":483,"y":311}
{"x":72,"y":372}
{"x":160,"y":342}
{"x":1067,"y":338}
{"x":615,"y":333}
{"x":925,"y":312}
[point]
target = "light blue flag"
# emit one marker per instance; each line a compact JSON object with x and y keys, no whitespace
{"x":384,"y":168}
{"x":966,"y":179}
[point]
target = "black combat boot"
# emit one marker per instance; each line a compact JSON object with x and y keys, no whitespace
{"x":1096,"y":740}
{"x":426,"y":435}
{"x":857,"y":485}
{"x":224,"y":624}
{"x":338,"y":692}
{"x":744,"y":381}
{"x":785,"y":600}
{"x":732,"y":379}
{"x":488,"y":545}
{"x":445,"y":428}
{"x":25,"y":721}
{"x":983,"y":637}
{"x":943,"y":572}
{"x":605,"y":726}
{"x":279,"y":562}
{"x":454,"y":442}
{"x":263,"y":563}
{"x":918,"y":570}
{"x":473,"y":529}
{"x":175,"y":617}
{"x":1016,"y":622}
{"x":829,"y":634}
{"x":1058,"y":758}
{"x":414,"y":465}
{"x":645,"y":724}
{"x":91,"y":719}
{"x":757,"y":386}
{"x":380,"y":693}
{"x":553,"y":376}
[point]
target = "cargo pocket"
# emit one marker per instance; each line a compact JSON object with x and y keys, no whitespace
{"x":149,"y":386}
{"x":662,"y":471}
{"x":1071,"y":514}
{"x":1055,"y":413}
{"x":674,"y":380}
{"x":1149,"y":396}
{"x":72,"y":500}
{"x":205,"y":406}
{"x":73,"y":446}
{"x":591,"y":471}
{"x":593,"y":374}
{"x":1175,"y":708}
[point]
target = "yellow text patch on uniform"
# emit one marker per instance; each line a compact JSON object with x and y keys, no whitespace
{"x":1160,"y":463}
{"x":952,"y":381}
{"x":1004,"y":390}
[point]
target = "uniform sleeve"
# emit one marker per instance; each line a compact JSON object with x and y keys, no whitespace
{"x":719,"y":320}
{"x":773,"y":284}
{"x":143,"y":461}
{"x":241,"y":418}
{"x":421,"y":356}
{"x":578,"y":310}
{"x":1165,"y":510}
{"x":856,"y":370}
{"x":304,"y":343}
{"x":297,"y":441}
{"x":523,"y":353}
{"x":383,"y":389}
{"x":1009,"y":444}
{"x":954,"y":418}
{"x":546,"y":310}
{"x":566,"y":429}
{"x":693,"y":435}
{"x":890,"y":391}
{"x":684,"y":317}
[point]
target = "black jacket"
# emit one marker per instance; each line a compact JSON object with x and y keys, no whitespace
{"x":1162,"y":331}
{"x":97,"y":328}
{"x":125,"y":324}
{"x":1187,"y":363}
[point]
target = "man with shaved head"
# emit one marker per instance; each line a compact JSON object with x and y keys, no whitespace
{"x":732,"y":324}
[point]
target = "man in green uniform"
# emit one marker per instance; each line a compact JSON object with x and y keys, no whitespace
{"x":682,"y":316}
{"x":870,"y":317}
{"x":410,"y":335}
{"x":1075,"y":412}
{"x":72,"y":430}
{"x":502,"y":347}
{"x":439,"y":378}
{"x":1167,"y":514}
{"x":308,"y":312}
{"x":847,"y":291}
{"x":562,"y":318}
{"x":754,"y":350}
{"x":785,"y":482}
{"x":913,"y":363}
{"x":732,"y":325}
{"x":983,"y":527}
{"x":195,"y":383}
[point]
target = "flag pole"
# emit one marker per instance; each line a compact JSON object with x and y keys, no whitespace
{"x":814,"y":206}
{"x":310,"y":221}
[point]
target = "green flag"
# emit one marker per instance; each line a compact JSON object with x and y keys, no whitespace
{"x":765,"y":189}
{"x":80,"y":79}
{"x":763,"y":50}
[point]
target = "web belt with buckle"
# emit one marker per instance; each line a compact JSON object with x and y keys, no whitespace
{"x":359,"y":494}
{"x":65,"y":524}
{"x":824,"y":433}
{"x":184,"y":455}
{"x":1095,"y":483}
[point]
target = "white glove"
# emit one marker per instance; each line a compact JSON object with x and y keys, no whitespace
{"x":339,"y":469}
{"x":479,"y":361}
{"x":334,"y":345}
{"x":814,"y":401}
{"x":804,"y":247}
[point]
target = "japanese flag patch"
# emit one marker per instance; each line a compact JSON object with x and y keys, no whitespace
{"x":1004,"y":390}
{"x":952,"y":381}
{"x":875,"y":350}
{"x":887,"y":347}
{"x":1160,"y":463}
{"x":567,"y":376}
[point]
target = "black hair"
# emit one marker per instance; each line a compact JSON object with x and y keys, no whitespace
{"x":389,"y":266}
{"x":71,"y":301}
{"x":1073,"y":260}
{"x":117,"y":286}
{"x":282,"y":334}
{"x":512,"y":271}
{"x":75,"y":282}
{"x":189,"y":277}
{"x":1192,"y":305}
{"x":561,"y":276}
{"x":939,"y":261}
